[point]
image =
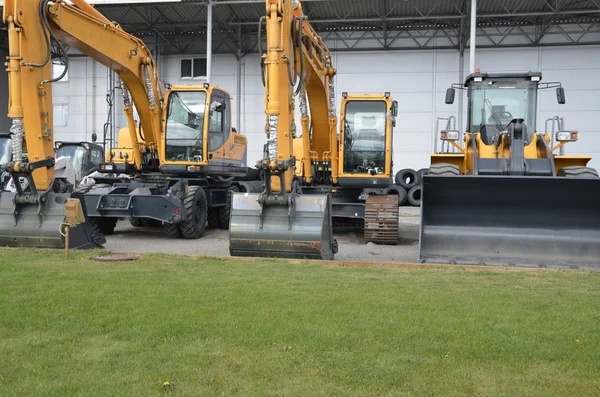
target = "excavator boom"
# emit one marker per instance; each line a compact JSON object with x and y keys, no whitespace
{"x":282,"y":221}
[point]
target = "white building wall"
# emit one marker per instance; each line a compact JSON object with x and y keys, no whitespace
{"x":416,"y":79}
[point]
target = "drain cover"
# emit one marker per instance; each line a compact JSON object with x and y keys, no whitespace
{"x":117,"y":257}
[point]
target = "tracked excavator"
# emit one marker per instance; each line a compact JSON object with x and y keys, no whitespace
{"x":506,"y":197}
{"x":36,"y":213}
{"x":179,"y":160}
{"x":323,"y":173}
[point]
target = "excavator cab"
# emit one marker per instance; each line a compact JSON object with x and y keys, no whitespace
{"x":502,"y":196}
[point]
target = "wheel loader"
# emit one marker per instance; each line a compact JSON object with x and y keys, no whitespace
{"x":505,"y":197}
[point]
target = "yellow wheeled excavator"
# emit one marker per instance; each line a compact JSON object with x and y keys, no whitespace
{"x":504,"y":197}
{"x":324,"y":172}
{"x":36,"y":215}
{"x":180,"y":160}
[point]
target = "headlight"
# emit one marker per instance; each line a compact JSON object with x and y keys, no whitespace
{"x":450,"y":135}
{"x":566,"y":136}
{"x":107,"y":167}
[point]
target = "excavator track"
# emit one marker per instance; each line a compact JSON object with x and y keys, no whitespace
{"x":381,"y":219}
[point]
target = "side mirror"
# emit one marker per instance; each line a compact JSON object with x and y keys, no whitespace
{"x":94,"y":137}
{"x":450,"y":94}
{"x":560,"y":95}
{"x":395,"y":108}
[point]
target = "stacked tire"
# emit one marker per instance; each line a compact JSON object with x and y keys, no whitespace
{"x":409,"y":183}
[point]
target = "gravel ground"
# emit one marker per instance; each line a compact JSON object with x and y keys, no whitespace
{"x":216,"y":242}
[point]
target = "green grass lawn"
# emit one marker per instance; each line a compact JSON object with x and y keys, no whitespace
{"x":223,"y":328}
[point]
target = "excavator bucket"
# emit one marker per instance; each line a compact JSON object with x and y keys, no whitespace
{"x":305,"y":232}
{"x":511,"y":221}
{"x":39,"y":225}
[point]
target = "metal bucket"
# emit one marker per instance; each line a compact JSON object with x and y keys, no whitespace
{"x":270,"y":232}
{"x":26,"y":228}
{"x":511,"y":221}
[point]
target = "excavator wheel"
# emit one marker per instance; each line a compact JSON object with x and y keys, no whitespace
{"x":194,"y":223}
{"x":106,"y":225}
{"x":443,"y":169}
{"x":213,"y":218}
{"x":172,"y":230}
{"x":578,"y":172}
{"x":381,"y":219}
{"x":225,"y":211}
{"x":136,"y":222}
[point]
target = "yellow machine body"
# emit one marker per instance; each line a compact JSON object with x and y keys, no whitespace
{"x":503,"y":196}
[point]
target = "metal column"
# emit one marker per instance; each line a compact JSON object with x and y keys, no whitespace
{"x":472,"y":39}
{"x":209,"y":28}
{"x":239,"y":80}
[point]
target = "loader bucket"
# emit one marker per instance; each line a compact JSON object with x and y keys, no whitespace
{"x":270,"y":232}
{"x":511,"y":221}
{"x":27,"y":228}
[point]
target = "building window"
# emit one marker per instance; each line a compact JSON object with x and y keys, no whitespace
{"x":57,"y":70}
{"x":193,"y":68}
{"x":61,"y":115}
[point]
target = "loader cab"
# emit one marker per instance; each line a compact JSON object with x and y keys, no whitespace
{"x":86,"y":157}
{"x":496,"y":100}
{"x":366,"y":134}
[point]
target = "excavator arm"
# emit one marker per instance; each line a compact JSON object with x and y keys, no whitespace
{"x":281,"y":221}
{"x":36,"y":214}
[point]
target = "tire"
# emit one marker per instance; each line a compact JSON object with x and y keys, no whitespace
{"x":414,"y":196}
{"x":193,"y":225}
{"x":444,"y":169}
{"x":407,"y":178}
{"x":422,"y":172}
{"x":401,"y":192}
{"x":225,"y":211}
{"x":147,"y":222}
{"x":136,"y":222}
{"x":213,"y":218}
{"x":172,"y":230}
{"x":106,"y":225}
{"x":578,"y":172}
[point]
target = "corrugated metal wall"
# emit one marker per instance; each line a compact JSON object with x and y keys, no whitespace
{"x":417,"y":79}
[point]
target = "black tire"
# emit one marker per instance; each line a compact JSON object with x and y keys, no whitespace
{"x":213,"y":218}
{"x":147,"y":222}
{"x":225,"y":211}
{"x":401,"y":192}
{"x":422,"y":172}
{"x":106,"y":225}
{"x":136,"y":222}
{"x":407,"y":178}
{"x":578,"y":172}
{"x":194,"y":223}
{"x":172,"y":230}
{"x":414,"y":196}
{"x":444,"y":169}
